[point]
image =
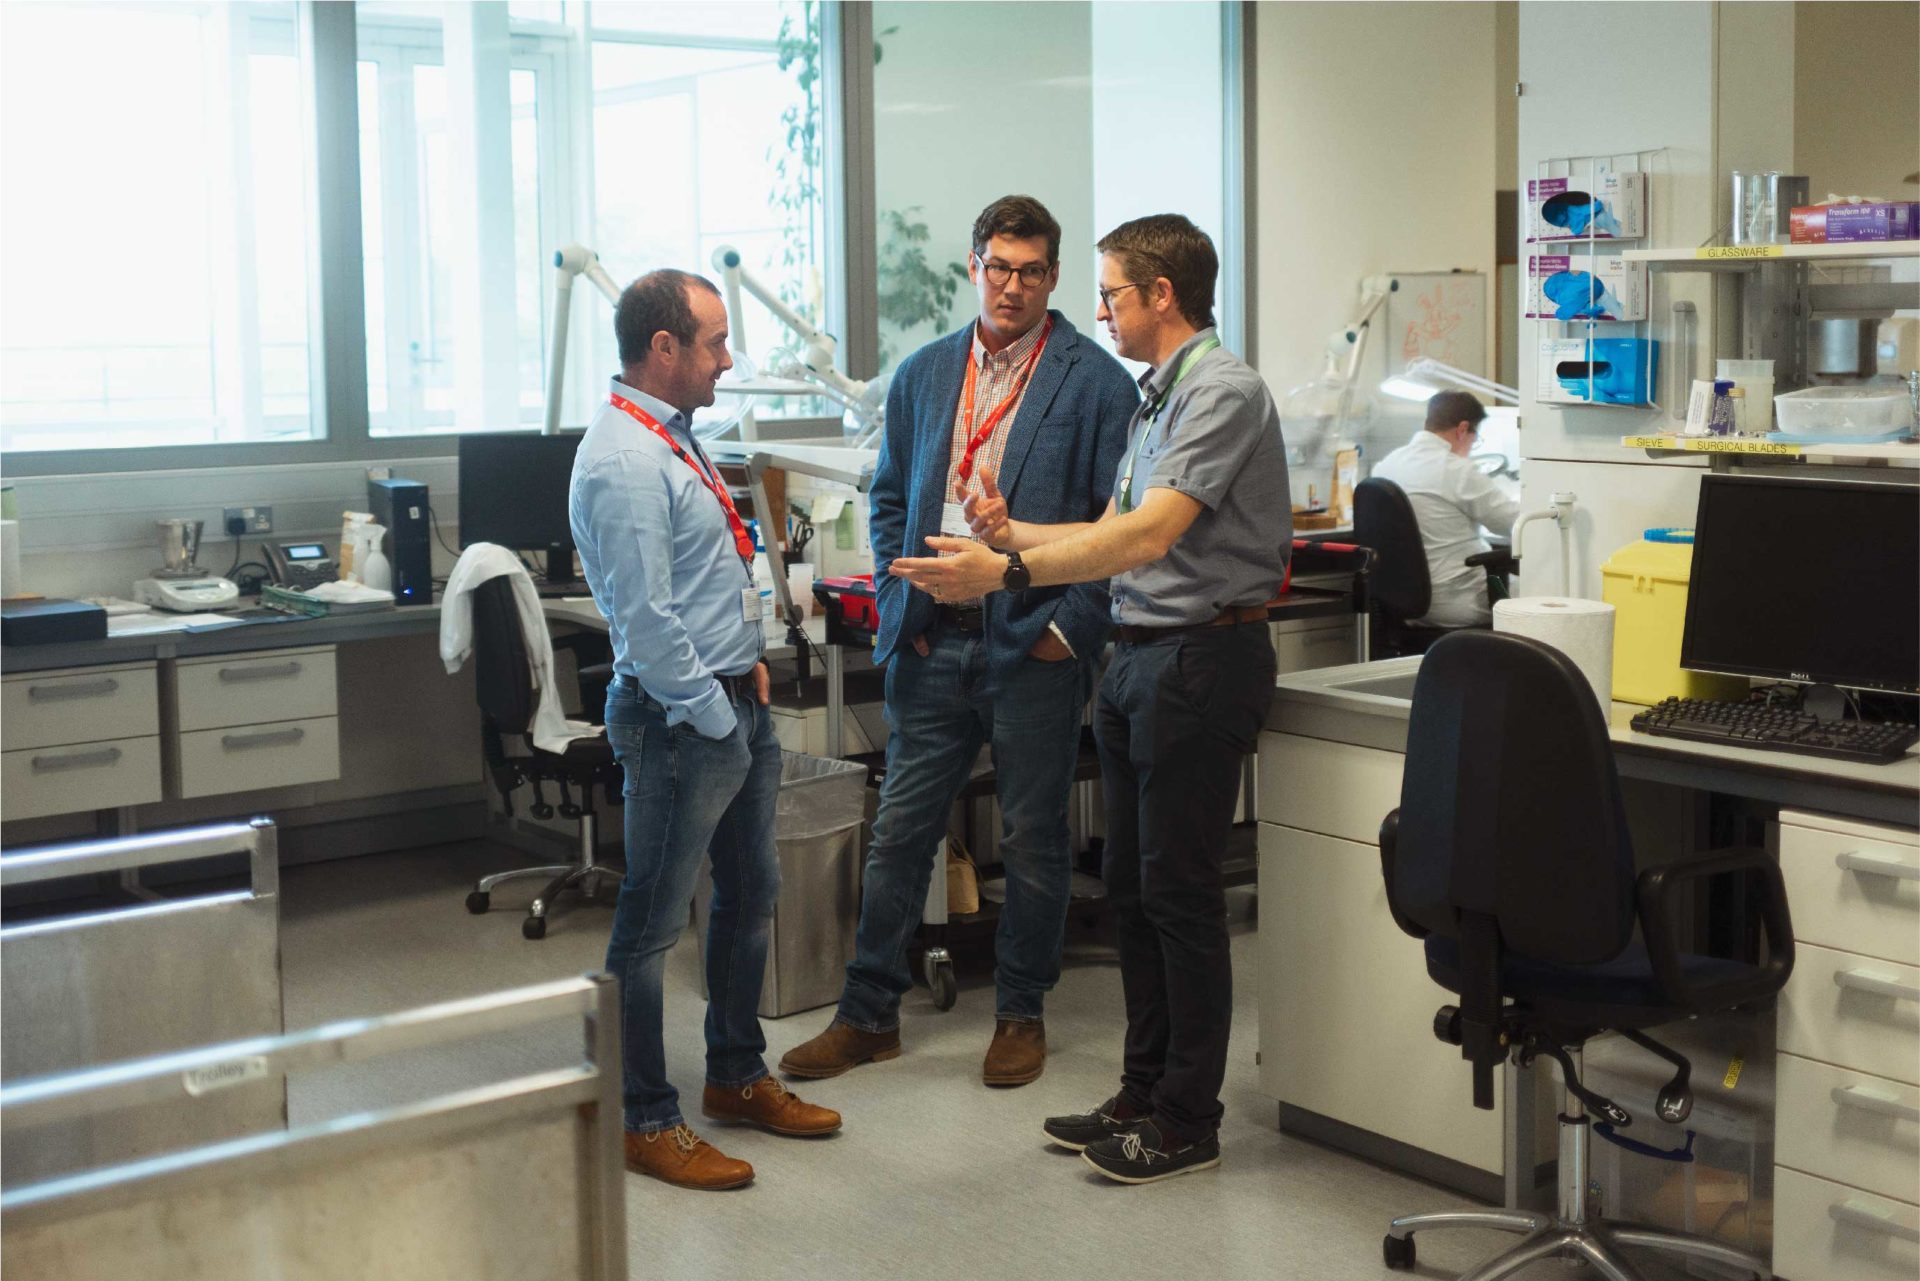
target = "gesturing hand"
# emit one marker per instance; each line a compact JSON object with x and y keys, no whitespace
{"x":986,"y":511}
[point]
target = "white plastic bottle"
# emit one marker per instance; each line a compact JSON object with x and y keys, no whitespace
{"x":376,"y":570}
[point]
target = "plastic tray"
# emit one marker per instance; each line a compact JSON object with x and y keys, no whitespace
{"x":1827,"y":412}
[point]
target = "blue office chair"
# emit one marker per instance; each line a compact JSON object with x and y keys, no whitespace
{"x":1509,"y":855}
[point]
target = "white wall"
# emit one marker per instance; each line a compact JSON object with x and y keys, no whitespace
{"x":1856,"y":98}
{"x":1375,"y":135}
{"x":1705,"y":82}
{"x":974,"y":101}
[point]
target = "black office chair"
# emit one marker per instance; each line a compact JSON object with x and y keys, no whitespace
{"x":503,"y":686}
{"x":1402,"y":591}
{"x":1510,"y":856}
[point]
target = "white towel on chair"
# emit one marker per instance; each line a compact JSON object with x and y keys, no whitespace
{"x":480,"y":563}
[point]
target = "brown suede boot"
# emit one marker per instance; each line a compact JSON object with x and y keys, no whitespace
{"x":1018,"y":1053}
{"x":684,"y":1159}
{"x":771,"y":1106}
{"x":839,"y":1048}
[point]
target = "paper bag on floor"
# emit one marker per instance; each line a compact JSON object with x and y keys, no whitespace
{"x":963,"y":881}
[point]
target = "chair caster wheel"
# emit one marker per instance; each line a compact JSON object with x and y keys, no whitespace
{"x":940,"y":979}
{"x":1398,"y":1252}
{"x":478,"y":902}
{"x":534,"y":927}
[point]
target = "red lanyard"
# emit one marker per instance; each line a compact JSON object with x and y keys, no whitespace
{"x":742,"y":540}
{"x":985,"y":432}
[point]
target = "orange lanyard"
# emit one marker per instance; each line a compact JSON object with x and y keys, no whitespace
{"x":985,"y":431}
{"x":742,"y":540}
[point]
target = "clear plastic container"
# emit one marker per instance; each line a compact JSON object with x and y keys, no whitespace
{"x":1872,"y":413}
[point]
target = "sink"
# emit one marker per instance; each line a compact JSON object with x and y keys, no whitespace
{"x":1395,"y":685}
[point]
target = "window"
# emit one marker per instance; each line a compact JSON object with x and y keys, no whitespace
{"x":707,"y":132}
{"x":414,"y":190}
{"x":155,"y":247}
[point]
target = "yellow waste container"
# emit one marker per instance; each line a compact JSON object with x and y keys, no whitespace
{"x":1646,"y":583}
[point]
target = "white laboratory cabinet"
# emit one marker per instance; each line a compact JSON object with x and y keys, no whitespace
{"x":80,"y":739}
{"x":1847,"y":1147}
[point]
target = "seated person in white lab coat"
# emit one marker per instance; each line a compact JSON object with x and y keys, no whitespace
{"x":1452,"y":499}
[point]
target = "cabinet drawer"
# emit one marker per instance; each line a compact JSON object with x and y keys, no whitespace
{"x":1335,"y":789}
{"x":86,"y":776}
{"x":1853,"y":1011}
{"x":248,"y":758}
{"x":284,"y":685}
{"x":1853,"y":887}
{"x":1328,"y":947}
{"x":1846,"y":1125}
{"x":83,"y":706}
{"x":1824,"y":1231}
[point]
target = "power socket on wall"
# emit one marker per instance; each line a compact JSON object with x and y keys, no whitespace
{"x":251,"y":520}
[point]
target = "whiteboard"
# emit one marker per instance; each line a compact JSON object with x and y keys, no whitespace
{"x":1438,"y":314}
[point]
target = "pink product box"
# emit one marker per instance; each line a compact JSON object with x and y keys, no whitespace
{"x":1856,"y":224}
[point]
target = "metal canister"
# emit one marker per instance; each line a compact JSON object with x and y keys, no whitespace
{"x":1763,"y":206}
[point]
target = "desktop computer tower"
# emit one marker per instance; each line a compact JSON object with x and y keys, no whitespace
{"x":401,"y":506}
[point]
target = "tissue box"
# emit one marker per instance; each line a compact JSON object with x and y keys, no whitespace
{"x":1850,"y":224}
{"x":1596,"y":287}
{"x":1597,"y":371}
{"x":1563,"y":208}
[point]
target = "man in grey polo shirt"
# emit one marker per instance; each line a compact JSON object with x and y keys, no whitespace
{"x":1195,"y":541}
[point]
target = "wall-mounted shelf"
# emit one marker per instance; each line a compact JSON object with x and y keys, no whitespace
{"x":1746,"y":257}
{"x":1887,"y":454}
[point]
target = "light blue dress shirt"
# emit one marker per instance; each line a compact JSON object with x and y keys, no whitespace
{"x":660,"y":559}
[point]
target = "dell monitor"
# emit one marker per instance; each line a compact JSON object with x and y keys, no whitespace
{"x":1814,"y":581}
{"x":513,"y":491}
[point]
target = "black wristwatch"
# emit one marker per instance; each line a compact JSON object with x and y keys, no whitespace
{"x":1018,"y":577}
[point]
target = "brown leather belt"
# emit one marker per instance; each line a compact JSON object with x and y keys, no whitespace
{"x":970,"y":619}
{"x":1232,"y":617}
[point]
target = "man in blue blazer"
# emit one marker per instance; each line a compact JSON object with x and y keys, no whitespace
{"x":1016,"y":404}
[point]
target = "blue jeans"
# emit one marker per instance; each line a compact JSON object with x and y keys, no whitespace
{"x":939,"y":720}
{"x":688,"y":795}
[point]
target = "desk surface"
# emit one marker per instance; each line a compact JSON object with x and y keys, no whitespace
{"x":407,"y":621}
{"x":1315,"y":704}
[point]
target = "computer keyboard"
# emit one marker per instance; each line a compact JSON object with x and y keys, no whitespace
{"x":1775,"y":729}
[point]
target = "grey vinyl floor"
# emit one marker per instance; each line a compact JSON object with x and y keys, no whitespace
{"x":934,"y":1174}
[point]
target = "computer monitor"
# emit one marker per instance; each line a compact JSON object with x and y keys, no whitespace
{"x":513,"y":491}
{"x":1816,"y":581}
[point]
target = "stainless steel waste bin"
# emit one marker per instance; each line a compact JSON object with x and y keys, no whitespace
{"x":817,"y":831}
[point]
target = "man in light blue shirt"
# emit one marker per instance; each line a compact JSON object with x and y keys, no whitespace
{"x":668,"y":557}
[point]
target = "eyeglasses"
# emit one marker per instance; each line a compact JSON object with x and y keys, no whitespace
{"x":1106,"y":295}
{"x":1033,"y":275}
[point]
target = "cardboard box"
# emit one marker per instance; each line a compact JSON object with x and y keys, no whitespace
{"x":1585,"y":287}
{"x":1563,"y":208}
{"x":1854,"y":224}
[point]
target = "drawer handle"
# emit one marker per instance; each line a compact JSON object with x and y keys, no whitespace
{"x":83,"y":689}
{"x":1885,"y":1102}
{"x":79,"y":760}
{"x":1878,"y":984}
{"x":1859,"y":1214}
{"x":266,"y":738}
{"x":259,"y":672}
{"x":1869,"y":865}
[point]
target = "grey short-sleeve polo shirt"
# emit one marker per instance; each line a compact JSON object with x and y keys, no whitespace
{"x":1217,"y":440}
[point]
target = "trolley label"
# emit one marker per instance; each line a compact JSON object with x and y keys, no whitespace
{"x":224,"y":1076}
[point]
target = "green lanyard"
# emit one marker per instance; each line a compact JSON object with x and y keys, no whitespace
{"x":1153,"y":416}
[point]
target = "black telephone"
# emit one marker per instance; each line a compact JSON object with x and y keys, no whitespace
{"x":301,"y":566}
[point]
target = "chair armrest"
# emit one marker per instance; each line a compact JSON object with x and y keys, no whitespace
{"x":1498,"y":561}
{"x":1389,"y":841}
{"x":1655,"y":892}
{"x":594,"y":682}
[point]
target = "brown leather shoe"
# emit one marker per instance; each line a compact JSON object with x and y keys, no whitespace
{"x":839,"y":1048}
{"x":771,"y":1106}
{"x":684,"y":1159}
{"x":1018,"y":1053}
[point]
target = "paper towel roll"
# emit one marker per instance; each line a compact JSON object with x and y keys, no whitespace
{"x":1580,"y":629}
{"x":9,"y":557}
